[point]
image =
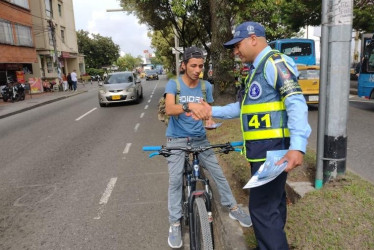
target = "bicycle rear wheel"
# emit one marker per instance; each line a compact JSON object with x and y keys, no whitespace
{"x":203,"y":236}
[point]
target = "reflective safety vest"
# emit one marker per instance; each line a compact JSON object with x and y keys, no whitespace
{"x":263,"y":113}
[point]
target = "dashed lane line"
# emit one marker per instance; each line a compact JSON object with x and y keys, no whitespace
{"x":105,"y":197}
{"x":85,"y":114}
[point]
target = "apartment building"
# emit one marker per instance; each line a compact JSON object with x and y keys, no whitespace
{"x":17,"y":45}
{"x":38,"y":41}
{"x":55,"y":36}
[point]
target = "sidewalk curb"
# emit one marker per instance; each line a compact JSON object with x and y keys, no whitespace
{"x":228,"y":233}
{"x":40,"y":104}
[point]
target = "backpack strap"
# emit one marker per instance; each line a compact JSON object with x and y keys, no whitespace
{"x":203,"y":89}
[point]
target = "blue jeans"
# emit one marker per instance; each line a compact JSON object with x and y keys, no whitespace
{"x":176,"y":168}
{"x":74,"y":85}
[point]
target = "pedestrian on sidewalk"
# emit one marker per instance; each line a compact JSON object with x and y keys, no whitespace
{"x":64,"y":82}
{"x":68,"y":78}
{"x":74,"y":79}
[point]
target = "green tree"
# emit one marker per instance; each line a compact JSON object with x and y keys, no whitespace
{"x":99,"y":50}
{"x":162,"y":42}
{"x":128,"y":62}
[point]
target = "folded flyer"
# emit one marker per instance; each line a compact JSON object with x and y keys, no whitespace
{"x":216,"y":125}
{"x":268,"y":170}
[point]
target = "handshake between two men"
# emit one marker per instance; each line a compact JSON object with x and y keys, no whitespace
{"x":201,"y":111}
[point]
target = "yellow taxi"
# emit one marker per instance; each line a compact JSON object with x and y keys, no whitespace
{"x":309,"y":82}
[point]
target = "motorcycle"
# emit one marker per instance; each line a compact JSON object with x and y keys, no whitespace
{"x":14,"y":92}
{"x":19,"y":90}
{"x":7,"y":93}
{"x":96,"y":78}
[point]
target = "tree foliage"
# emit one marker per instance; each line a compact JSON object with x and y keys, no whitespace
{"x":209,"y":23}
{"x":128,"y":62}
{"x":162,"y":44}
{"x":99,"y":51}
{"x":363,"y":18}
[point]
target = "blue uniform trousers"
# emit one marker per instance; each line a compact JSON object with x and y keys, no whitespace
{"x":268,"y":210}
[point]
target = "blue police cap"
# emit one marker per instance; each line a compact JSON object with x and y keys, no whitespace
{"x":243,"y":31}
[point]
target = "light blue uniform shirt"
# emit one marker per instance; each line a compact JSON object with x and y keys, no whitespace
{"x":297,"y":110}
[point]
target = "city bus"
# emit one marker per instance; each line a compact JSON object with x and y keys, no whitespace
{"x":301,"y":50}
{"x":366,"y":77}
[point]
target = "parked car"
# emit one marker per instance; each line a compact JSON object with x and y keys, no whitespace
{"x":120,"y":87}
{"x":151,"y":75}
{"x":309,"y":82}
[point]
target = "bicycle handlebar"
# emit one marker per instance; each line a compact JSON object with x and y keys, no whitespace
{"x":165,"y":151}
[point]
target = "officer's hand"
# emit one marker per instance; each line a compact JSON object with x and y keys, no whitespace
{"x":294,"y":159}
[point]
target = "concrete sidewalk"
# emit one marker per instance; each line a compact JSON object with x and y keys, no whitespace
{"x":36,"y":100}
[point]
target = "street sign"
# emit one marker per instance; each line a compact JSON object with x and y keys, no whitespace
{"x":177,"y":50}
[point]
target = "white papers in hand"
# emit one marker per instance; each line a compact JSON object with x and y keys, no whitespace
{"x":268,"y":171}
{"x":216,"y":125}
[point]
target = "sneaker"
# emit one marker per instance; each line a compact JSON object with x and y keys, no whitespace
{"x":175,"y":236}
{"x":243,"y":218}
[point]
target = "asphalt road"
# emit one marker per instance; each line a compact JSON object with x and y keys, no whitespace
{"x":360,"y":136}
{"x":73,"y":176}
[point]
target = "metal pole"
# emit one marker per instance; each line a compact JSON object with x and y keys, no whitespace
{"x":322,"y":94}
{"x":335,"y":149}
{"x":176,"y":44}
{"x":340,"y":14}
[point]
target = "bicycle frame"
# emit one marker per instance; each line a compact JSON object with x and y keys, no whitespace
{"x":191,"y":177}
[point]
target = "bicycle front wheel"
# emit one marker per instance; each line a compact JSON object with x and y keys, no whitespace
{"x":203,"y":236}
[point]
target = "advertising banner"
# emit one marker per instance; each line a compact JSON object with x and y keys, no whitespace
{"x":35,"y":85}
{"x":20,"y":76}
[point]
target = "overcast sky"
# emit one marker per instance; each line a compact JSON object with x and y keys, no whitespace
{"x":91,"y":16}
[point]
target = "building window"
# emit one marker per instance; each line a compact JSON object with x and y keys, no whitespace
{"x":49,"y":64}
{"x":48,"y":8}
{"x":60,"y":9}
{"x":63,"y":34}
{"x":50,"y":36}
{"x":6,"y":34}
{"x":22,"y":3}
{"x":24,"y":35}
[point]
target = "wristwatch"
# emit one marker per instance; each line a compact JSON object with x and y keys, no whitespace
{"x":185,"y":107}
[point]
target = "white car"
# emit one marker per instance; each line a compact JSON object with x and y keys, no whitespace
{"x":120,"y":87}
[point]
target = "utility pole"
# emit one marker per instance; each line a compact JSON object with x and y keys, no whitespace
{"x":176,"y":41}
{"x":334,"y":89}
{"x":53,"y":33}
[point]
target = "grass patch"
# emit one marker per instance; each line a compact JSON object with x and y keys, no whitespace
{"x":338,"y":216}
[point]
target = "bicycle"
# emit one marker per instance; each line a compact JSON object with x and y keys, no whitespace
{"x":196,"y":203}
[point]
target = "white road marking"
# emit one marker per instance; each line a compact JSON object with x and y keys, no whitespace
{"x":151,"y":96}
{"x":146,"y":107}
{"x":105,"y":197}
{"x":85,"y":114}
{"x":149,"y":100}
{"x":142,"y":115}
{"x":136,"y":127}
{"x":127,"y":148}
